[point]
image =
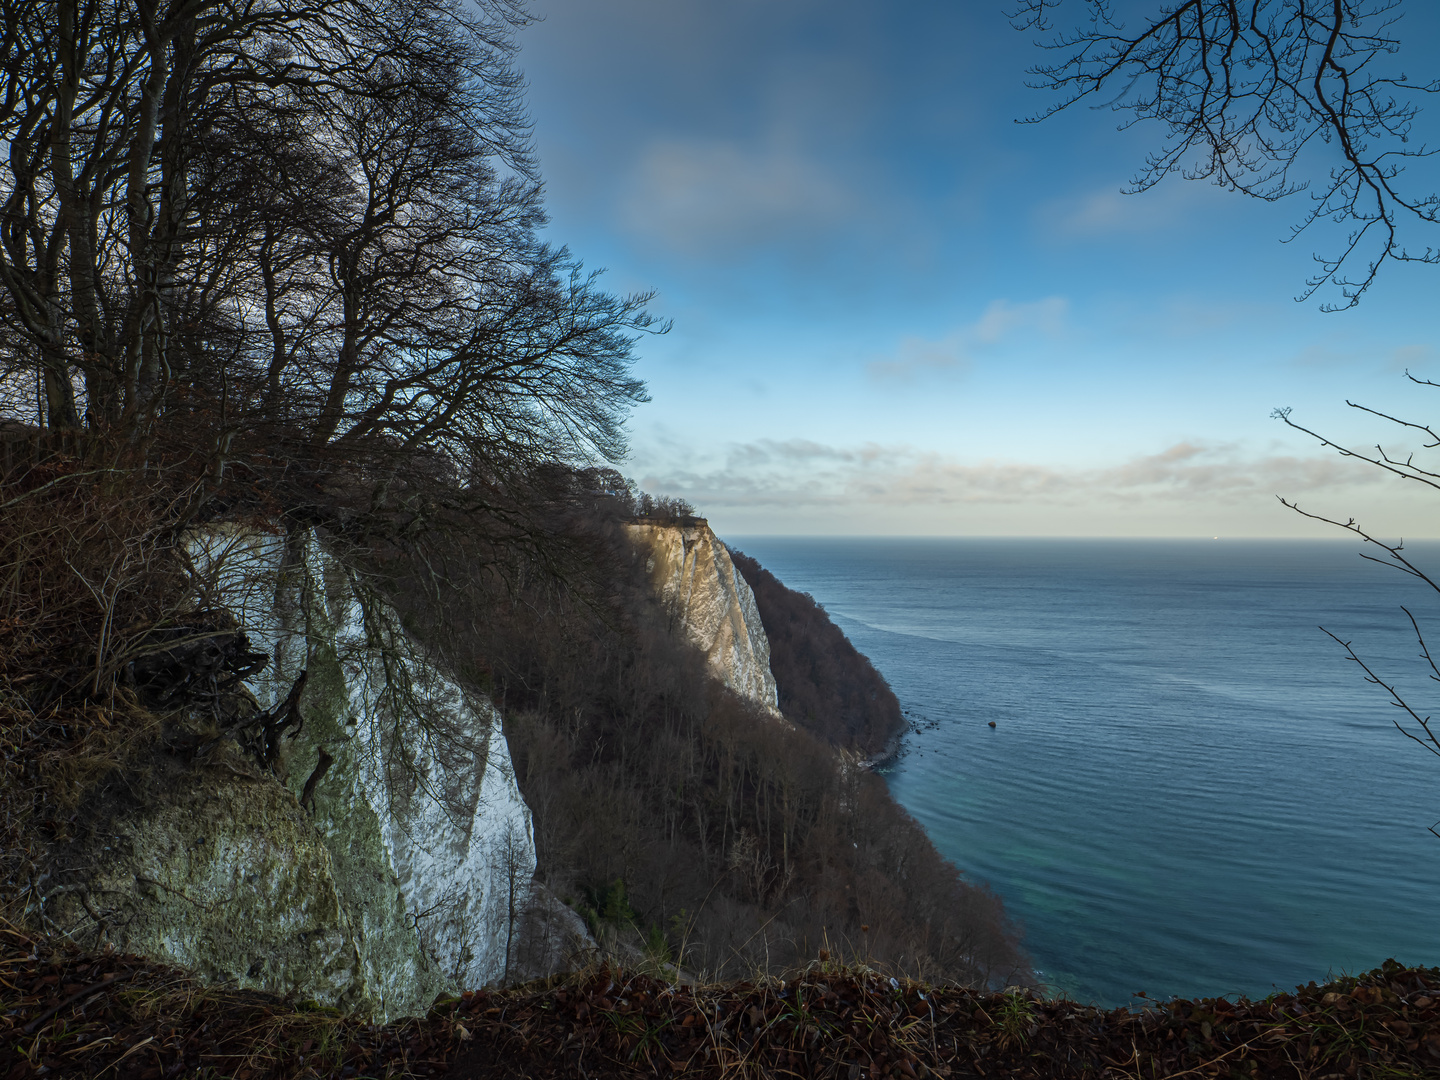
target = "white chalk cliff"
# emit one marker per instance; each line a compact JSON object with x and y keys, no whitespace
{"x":690,"y":569}
{"x":382,"y":855}
{"x":386,"y":857}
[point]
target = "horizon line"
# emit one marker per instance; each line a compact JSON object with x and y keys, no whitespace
{"x":1074,"y":536}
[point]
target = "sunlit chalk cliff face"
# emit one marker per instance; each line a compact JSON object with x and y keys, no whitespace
{"x":691,"y":569}
{"x":384,"y":857}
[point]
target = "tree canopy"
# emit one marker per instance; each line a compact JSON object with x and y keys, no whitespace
{"x":294,"y":228}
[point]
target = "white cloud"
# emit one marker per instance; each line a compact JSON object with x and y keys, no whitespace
{"x":703,"y":196}
{"x":1111,"y":212}
{"x":1002,"y":317}
{"x":956,"y":350}
{"x":1412,"y":358}
{"x":916,"y":354}
{"x":793,"y":474}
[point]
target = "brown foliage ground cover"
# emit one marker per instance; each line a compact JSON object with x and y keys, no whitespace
{"x":65,"y":1013}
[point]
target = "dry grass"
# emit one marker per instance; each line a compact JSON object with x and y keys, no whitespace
{"x":66,"y":1013}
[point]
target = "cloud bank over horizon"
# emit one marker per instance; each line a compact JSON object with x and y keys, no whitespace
{"x":799,"y":486}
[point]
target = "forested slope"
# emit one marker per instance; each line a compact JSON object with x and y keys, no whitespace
{"x":826,"y":685}
{"x":724,"y":837}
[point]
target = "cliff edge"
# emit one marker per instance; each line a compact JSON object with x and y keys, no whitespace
{"x":690,"y":569}
{"x":360,"y":842}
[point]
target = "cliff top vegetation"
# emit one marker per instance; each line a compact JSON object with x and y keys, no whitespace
{"x":72,"y":1013}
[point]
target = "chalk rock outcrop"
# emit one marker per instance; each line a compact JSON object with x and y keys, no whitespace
{"x":385,"y":856}
{"x":691,"y":569}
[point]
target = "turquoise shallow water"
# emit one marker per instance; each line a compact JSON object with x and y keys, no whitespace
{"x":1189,"y":790}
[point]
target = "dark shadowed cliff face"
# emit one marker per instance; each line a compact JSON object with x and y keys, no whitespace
{"x":825,"y":685}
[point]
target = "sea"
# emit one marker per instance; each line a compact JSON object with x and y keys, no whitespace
{"x":1188,"y":788}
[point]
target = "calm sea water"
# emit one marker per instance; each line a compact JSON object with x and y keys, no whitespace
{"x":1189,"y":790}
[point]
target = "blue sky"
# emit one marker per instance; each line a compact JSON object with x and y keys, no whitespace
{"x":896,"y":311}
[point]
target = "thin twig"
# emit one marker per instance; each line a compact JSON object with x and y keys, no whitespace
{"x":1405,"y":565}
{"x":1396,"y":700}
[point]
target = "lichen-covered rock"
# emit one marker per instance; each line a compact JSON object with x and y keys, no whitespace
{"x":691,"y":569}
{"x":224,"y":876}
{"x":385,"y":856}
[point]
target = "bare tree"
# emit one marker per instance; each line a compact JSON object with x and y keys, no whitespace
{"x":512,"y":861}
{"x":296,"y":229}
{"x":1413,"y":726}
{"x":1269,"y":98}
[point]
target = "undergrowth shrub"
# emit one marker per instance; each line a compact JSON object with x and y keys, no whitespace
{"x":93,"y":599}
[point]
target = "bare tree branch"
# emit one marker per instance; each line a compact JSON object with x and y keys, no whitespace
{"x":1429,"y":741}
{"x":297,"y":239}
{"x":1262,"y":98}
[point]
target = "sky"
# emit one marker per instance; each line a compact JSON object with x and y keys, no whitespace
{"x":897,"y":311}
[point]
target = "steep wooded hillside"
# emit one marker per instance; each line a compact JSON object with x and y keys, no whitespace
{"x":679,"y":816}
{"x":826,"y":685}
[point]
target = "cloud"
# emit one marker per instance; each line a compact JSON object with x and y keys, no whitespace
{"x":1111,"y":212}
{"x":1411,"y":357}
{"x":955,"y":351}
{"x":915,"y":354}
{"x":766,"y":452}
{"x":703,"y":196}
{"x":1322,"y":356}
{"x":794,"y":474}
{"x":1003,"y":317}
